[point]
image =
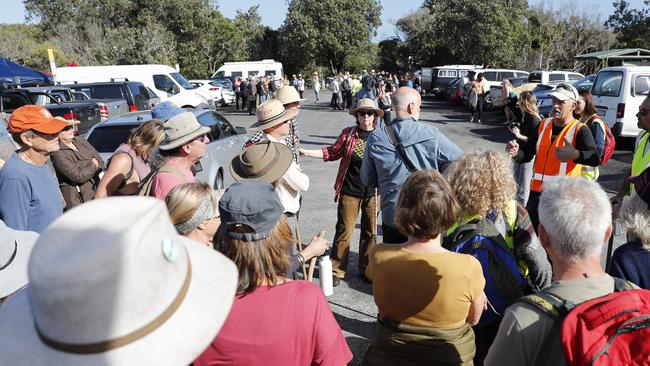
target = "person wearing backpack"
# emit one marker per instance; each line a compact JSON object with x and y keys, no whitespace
{"x":603,"y":136}
{"x":346,"y":89}
{"x":495,"y":228}
{"x":547,"y":328}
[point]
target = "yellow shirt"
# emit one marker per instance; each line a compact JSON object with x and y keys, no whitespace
{"x":424,"y":289}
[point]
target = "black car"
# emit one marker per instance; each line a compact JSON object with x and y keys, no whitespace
{"x":135,"y":93}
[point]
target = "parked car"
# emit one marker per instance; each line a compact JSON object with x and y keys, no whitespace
{"x":108,"y":108}
{"x":454,"y":91}
{"x":493,"y":77}
{"x":136,"y":95}
{"x":87,"y":113}
{"x":222,"y":95}
{"x":618,"y":92}
{"x":226,"y":81}
{"x":435,"y":80}
{"x":585,"y":83}
{"x":554,"y":77}
{"x":226,"y":141}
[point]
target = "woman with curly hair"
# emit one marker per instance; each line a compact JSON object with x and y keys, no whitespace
{"x":485,"y":190}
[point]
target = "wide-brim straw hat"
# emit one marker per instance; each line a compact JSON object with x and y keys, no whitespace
{"x":122,"y":289}
{"x":288,"y":94}
{"x":266,"y":161}
{"x":271,"y":113}
{"x":181,"y":129}
{"x":367,"y":104}
{"x":15,"y":248}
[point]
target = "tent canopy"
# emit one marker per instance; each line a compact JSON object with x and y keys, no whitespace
{"x":9,"y":71}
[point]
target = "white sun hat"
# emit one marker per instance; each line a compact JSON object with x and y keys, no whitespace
{"x":112,"y":283}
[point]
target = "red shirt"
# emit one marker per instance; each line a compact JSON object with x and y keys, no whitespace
{"x":342,"y":149}
{"x":289,"y":324}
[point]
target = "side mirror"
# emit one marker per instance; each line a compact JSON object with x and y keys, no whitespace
{"x":240,"y":130}
{"x":175,"y":89}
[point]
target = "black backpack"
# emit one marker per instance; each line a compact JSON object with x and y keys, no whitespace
{"x":346,"y":84}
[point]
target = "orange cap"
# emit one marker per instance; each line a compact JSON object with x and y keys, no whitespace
{"x":35,"y":117}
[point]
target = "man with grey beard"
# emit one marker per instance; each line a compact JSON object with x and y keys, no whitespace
{"x":562,"y":146}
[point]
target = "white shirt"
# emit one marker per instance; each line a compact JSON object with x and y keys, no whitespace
{"x":291,"y":184}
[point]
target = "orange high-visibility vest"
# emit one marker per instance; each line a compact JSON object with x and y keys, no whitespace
{"x":546,"y":163}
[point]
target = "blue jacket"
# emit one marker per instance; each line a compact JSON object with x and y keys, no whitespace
{"x":383,"y":168}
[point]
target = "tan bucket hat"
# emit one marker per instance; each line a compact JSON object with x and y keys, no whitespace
{"x":181,"y":129}
{"x":367,"y":104}
{"x":266,"y":161}
{"x":288,"y":94}
{"x":15,"y":248}
{"x":124,"y":288}
{"x":271,"y":113}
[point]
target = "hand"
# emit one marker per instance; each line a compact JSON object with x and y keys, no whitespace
{"x":566,"y":152}
{"x":512,"y":148}
{"x":317,"y":246}
{"x":302,"y":151}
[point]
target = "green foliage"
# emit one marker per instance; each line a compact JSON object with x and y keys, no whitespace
{"x":632,"y":26}
{"x":329,"y":32}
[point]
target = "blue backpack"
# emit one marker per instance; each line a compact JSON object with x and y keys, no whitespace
{"x":504,"y":283}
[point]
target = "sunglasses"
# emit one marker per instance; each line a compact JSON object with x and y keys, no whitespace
{"x":366,"y":113}
{"x":68,"y":128}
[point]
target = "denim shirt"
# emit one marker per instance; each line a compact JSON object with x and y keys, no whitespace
{"x":383,"y":168}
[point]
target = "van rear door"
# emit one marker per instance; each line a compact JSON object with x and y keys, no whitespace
{"x":608,"y":92}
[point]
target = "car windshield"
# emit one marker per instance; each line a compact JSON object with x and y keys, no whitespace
{"x":542,"y":87}
{"x":181,"y":80}
{"x":607,"y":84}
{"x":105,"y":139}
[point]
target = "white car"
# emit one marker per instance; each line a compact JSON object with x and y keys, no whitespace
{"x":220,"y":95}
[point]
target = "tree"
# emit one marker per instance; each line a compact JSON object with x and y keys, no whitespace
{"x":328,"y":32}
{"x":632,"y":26}
{"x":391,"y":55}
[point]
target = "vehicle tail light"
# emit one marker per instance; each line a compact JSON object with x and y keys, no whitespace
{"x":70,"y":116}
{"x":620,"y":110}
{"x":133,"y":108}
{"x":103,"y":111}
{"x":215,"y":89}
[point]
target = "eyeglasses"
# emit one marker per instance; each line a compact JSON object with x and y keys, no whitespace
{"x":366,"y":113}
{"x":569,"y":88}
{"x":68,"y":128}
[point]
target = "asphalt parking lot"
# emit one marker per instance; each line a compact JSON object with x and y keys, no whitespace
{"x":319,"y":126}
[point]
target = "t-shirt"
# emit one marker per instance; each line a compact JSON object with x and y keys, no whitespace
{"x":29,"y":195}
{"x":164,"y":182}
{"x":352,"y":185}
{"x":424,"y":289}
{"x":631,"y":261}
{"x":523,"y":329}
{"x":288,"y":324}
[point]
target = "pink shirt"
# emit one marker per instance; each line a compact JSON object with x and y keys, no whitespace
{"x":163,"y":182}
{"x":289,"y":324}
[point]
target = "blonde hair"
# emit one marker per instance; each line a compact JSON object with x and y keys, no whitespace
{"x":146,"y":137}
{"x":528,"y":102}
{"x":184,"y":199}
{"x":636,"y":218}
{"x":482,"y":182}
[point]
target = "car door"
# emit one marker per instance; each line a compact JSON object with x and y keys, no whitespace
{"x":215,"y":158}
{"x":231,"y":142}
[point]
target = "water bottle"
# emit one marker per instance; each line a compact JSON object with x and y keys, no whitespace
{"x":325,"y":274}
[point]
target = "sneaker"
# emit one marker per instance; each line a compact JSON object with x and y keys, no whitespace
{"x":336,"y":281}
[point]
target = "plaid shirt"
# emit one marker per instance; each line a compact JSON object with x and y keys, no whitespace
{"x":291,"y":140}
{"x":342,"y":149}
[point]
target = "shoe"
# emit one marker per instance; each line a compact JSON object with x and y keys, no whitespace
{"x":336,"y":281}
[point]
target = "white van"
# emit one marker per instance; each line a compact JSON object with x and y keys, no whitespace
{"x":618,"y":92}
{"x":165,"y":81}
{"x":268,"y":68}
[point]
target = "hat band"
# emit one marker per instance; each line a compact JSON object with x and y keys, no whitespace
{"x":13,"y":256}
{"x":265,"y":169}
{"x":246,"y":236}
{"x":183,"y":136}
{"x":272,"y":118}
{"x":103,"y":346}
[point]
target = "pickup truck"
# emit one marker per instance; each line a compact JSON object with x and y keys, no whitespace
{"x":87,"y":113}
{"x":137,"y":96}
{"x":108,"y":108}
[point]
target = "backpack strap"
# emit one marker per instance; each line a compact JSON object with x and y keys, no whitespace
{"x":145,"y":186}
{"x":394,"y":139}
{"x":622,"y":285}
{"x":129,"y":174}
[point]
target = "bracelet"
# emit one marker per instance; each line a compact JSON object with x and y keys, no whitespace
{"x":300,"y":258}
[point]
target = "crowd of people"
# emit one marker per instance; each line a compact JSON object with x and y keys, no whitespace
{"x":486,"y":257}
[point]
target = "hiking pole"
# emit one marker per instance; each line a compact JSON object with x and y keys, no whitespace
{"x":312,"y":262}
{"x":616,"y":230}
{"x":299,"y":244}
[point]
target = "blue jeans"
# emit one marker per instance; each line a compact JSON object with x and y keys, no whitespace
{"x":317,"y":93}
{"x":262,"y":98}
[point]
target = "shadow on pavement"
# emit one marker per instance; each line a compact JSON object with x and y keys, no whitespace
{"x":358,"y":346}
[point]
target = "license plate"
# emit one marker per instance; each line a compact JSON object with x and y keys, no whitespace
{"x":601,"y":112}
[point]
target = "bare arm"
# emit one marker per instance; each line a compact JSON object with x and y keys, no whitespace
{"x":315,"y":153}
{"x":115,"y":173}
{"x":476,"y":309}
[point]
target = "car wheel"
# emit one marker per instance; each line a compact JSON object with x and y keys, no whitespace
{"x":218,"y":181}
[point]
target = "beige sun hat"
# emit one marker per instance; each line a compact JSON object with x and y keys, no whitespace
{"x":266,"y":161}
{"x":15,"y":248}
{"x":181,"y":129}
{"x":271,"y":113}
{"x":122,"y":289}
{"x":288,"y":94}
{"x":367,"y":104}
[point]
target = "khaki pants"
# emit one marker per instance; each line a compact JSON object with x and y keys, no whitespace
{"x":347,"y":213}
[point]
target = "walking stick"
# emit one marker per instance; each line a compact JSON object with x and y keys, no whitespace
{"x":299,"y":244}
{"x":312,"y":262}
{"x":610,"y":246}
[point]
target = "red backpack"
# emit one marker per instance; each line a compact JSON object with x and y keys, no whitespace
{"x":610,"y":140}
{"x":609,"y":330}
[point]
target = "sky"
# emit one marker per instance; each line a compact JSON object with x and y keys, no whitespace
{"x":274,"y":11}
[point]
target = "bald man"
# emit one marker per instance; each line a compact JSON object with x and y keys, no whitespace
{"x":386,"y":166}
